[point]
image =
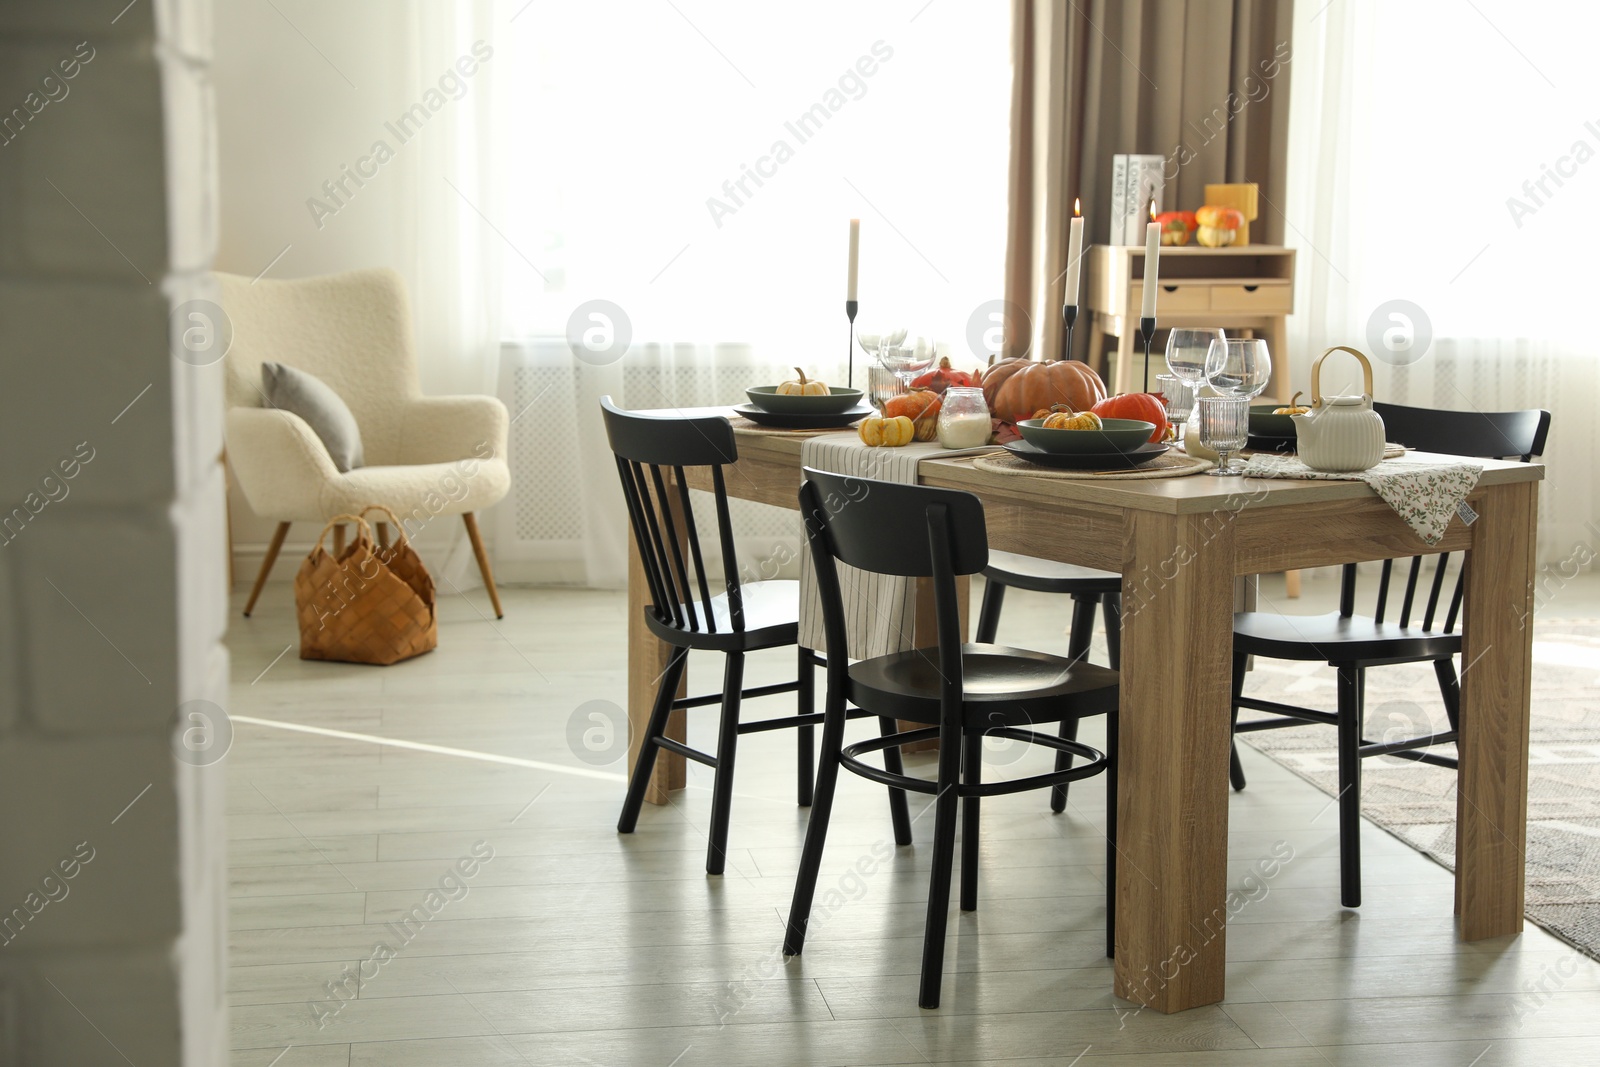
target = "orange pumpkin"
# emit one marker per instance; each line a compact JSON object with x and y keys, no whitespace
{"x":1146,"y":407}
{"x":921,"y":406}
{"x":1015,"y":388}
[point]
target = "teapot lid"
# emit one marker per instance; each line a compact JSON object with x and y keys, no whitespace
{"x":1344,"y":401}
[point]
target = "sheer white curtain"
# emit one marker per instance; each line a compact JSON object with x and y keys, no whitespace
{"x":694,"y":166}
{"x":1443,"y":158}
{"x":449,"y":182}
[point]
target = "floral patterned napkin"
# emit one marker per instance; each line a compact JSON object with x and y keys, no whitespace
{"x":1425,"y":493}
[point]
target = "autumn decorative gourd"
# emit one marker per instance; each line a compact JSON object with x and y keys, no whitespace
{"x":1218,"y":225}
{"x":883,"y":432}
{"x":943,"y":377}
{"x":1072,"y":420}
{"x":1146,"y":407}
{"x":1176,"y":226}
{"x":1015,"y":388}
{"x":921,"y":406}
{"x":1293,"y":407}
{"x":802,"y":386}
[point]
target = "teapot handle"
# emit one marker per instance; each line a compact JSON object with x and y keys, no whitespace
{"x":1316,"y":372}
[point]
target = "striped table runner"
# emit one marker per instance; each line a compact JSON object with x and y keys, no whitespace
{"x":880,"y":609}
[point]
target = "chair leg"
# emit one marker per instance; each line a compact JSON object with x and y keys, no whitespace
{"x":1083,"y":608}
{"x":899,"y":812}
{"x":1112,"y":726}
{"x":1235,"y":768}
{"x":944,"y":847}
{"x":383,"y":536}
{"x":972,"y":774}
{"x":1351,"y":681}
{"x":645,"y":763}
{"x":805,"y":882}
{"x":266,"y":565}
{"x":994,"y":597}
{"x":1111,"y":608}
{"x":1058,"y":793}
{"x":727,"y":749}
{"x":1449,"y":690}
{"x":805,"y":736}
{"x":471,"y":522}
{"x":338,"y":541}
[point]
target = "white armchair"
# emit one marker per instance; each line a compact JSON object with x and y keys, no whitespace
{"x":426,"y":456}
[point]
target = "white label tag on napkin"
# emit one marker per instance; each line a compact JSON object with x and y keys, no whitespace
{"x":1468,"y":516}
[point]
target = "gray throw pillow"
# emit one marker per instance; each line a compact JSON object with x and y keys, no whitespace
{"x":310,"y":398}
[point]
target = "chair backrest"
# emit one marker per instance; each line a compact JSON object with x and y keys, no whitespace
{"x":351,"y":330}
{"x":1485,"y":434}
{"x":1478,"y":434}
{"x":663,"y":524}
{"x":887,"y":528}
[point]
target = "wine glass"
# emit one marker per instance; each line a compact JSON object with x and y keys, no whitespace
{"x":1239,"y":367}
{"x":1187,"y":350}
{"x":1224,"y":428}
{"x":1179,"y":396}
{"x":871,"y":340}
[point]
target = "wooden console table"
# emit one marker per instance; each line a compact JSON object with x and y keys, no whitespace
{"x":1247,"y":287}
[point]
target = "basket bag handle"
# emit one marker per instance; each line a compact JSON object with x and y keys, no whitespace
{"x":339,"y":520}
{"x":394,"y":519}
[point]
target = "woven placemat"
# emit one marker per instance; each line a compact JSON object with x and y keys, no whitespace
{"x":741,"y":423}
{"x":1171,"y":465}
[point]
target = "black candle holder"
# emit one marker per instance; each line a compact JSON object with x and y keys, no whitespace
{"x":1069,"y":316}
{"x":1147,"y":331}
{"x":850,"y":359}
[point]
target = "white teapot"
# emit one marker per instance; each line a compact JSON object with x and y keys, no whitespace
{"x":1340,"y":433}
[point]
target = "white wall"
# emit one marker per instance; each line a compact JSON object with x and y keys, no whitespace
{"x":111,"y":573}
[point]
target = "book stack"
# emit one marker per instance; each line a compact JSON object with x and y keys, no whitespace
{"x":1136,"y":180}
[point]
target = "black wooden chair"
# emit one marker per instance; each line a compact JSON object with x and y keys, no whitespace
{"x":1089,"y":589}
{"x":967,"y":691}
{"x":744,"y":617}
{"x":1352,"y":643}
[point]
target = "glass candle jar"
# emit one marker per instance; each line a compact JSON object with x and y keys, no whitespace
{"x":964,"y":418}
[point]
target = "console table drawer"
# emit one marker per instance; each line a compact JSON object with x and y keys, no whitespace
{"x":1253,"y":299}
{"x":1177,"y":297}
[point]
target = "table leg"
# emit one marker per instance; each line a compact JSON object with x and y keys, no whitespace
{"x":1496,"y":671}
{"x":1177,"y":645}
{"x":647,"y":659}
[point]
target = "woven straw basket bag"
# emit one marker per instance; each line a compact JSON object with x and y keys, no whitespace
{"x":370,"y":605}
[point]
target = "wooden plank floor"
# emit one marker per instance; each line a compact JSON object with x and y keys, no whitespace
{"x":574,"y":945}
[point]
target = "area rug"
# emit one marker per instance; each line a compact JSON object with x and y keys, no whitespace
{"x":1417,"y":803}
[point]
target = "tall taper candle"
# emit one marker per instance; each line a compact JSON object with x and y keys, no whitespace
{"x":1152,"y":270}
{"x":1074,"y":253}
{"x":855,"y":251}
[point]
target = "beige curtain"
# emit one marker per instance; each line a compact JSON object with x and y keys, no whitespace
{"x":1204,"y":83}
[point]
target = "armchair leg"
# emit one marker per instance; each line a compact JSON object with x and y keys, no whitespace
{"x":476,"y":538}
{"x":266,"y":565}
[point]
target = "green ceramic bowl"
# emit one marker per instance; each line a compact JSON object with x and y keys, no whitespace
{"x":1118,"y":435}
{"x":767,"y":398}
{"x":1263,"y":423}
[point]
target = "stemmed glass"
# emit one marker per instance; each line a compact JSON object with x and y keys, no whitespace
{"x":1186,"y":353}
{"x":1224,"y":428}
{"x":1179,"y":396}
{"x":1238,"y":367}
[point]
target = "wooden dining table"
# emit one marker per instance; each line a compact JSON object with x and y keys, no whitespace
{"x":1179,"y":544}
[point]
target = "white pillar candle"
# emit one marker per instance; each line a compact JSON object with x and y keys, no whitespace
{"x":1074,"y":253}
{"x":855,"y":251}
{"x":1152,"y":270}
